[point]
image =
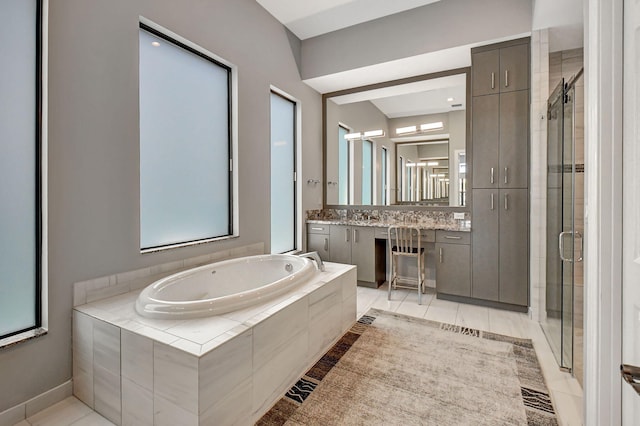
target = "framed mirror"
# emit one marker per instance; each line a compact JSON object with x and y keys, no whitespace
{"x":403,"y":142}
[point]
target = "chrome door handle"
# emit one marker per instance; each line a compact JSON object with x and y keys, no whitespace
{"x":561,"y":246}
{"x":317,"y":229}
{"x":506,"y":201}
{"x":326,"y":244}
{"x":492,"y":203}
{"x":506,"y":78}
{"x":506,"y":171}
{"x":493,"y":80}
{"x":440,"y":254}
{"x":452,"y":238}
{"x":492,"y":175}
{"x":355,"y":235}
{"x":346,"y":235}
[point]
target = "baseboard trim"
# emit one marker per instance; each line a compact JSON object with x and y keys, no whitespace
{"x":38,"y":403}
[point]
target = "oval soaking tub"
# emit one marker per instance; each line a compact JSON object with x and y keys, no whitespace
{"x":223,"y":287}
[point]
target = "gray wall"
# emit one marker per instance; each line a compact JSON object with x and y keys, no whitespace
{"x":430,"y":28}
{"x":93,"y":150}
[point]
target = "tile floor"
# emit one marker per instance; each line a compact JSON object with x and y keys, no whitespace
{"x":566,"y":393}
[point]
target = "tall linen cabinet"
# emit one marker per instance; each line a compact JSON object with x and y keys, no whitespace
{"x":500,"y":166}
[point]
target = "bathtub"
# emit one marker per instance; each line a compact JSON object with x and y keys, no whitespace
{"x":223,"y":287}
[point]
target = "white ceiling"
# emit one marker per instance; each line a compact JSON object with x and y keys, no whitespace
{"x":310,"y":18}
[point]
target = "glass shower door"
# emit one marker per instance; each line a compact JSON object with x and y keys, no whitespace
{"x":558,"y":324}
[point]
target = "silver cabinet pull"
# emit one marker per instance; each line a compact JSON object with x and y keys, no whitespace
{"x":346,"y":235}
{"x":440,"y":254}
{"x":492,"y":175}
{"x":506,"y":173}
{"x":326,"y":244}
{"x":506,"y":201}
{"x":493,"y":80}
{"x":506,"y":78}
{"x":355,"y":235}
{"x":317,"y":229}
{"x":448,"y":237}
{"x":492,"y":204}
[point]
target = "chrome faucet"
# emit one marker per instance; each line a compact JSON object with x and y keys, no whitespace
{"x":314,"y":256}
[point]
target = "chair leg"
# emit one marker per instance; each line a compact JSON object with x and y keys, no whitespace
{"x":392,"y":276}
{"x":419,"y":280}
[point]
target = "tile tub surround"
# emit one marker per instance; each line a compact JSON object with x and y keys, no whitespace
{"x":135,"y":370}
{"x":112,"y":285}
{"x":427,"y":219}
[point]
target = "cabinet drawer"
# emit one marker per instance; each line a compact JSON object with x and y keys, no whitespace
{"x":382,"y":233}
{"x":428,"y":235}
{"x":452,"y":237}
{"x":315,"y":228}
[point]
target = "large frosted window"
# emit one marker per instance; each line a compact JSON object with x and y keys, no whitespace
{"x":19,"y":168}
{"x":343,"y":166}
{"x":185,"y":176}
{"x":283,"y":194}
{"x":367,"y":172}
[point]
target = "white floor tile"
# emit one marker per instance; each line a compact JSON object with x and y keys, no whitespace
{"x":63,"y":413}
{"x":93,"y":419}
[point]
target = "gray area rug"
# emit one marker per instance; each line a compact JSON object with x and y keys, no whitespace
{"x":391,"y":369}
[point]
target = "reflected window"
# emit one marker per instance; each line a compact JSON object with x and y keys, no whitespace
{"x":367,"y":172}
{"x":383,"y":171}
{"x":343,"y":166}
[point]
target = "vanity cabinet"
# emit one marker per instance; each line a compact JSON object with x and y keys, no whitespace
{"x":318,"y":240}
{"x":500,"y":246}
{"x":500,"y":69}
{"x":354,"y":245}
{"x":453,"y":263}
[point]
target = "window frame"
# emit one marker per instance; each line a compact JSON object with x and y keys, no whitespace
{"x":296,"y":112}
{"x":233,"y":221}
{"x":14,"y":336}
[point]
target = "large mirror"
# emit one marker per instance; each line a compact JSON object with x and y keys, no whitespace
{"x":398,"y":143}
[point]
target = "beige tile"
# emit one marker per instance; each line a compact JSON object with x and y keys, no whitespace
{"x":93,"y":419}
{"x":61,"y":414}
{"x":175,"y":377}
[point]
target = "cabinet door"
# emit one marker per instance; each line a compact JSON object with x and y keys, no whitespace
{"x":453,"y":273}
{"x":319,"y":243}
{"x":363,"y":252}
{"x":514,"y":246}
{"x":485,"y":69}
{"x":514,"y":140}
{"x":485,"y":245}
{"x":514,"y":68}
{"x":486,"y":136}
{"x":340,"y":244}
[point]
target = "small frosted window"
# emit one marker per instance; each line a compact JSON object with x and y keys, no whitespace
{"x":283,"y":221}
{"x":185,"y":182}
{"x":19,"y":263}
{"x":367,"y":172}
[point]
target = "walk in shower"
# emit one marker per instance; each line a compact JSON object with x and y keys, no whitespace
{"x":563,"y":323}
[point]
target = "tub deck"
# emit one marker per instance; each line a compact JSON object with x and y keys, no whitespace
{"x":210,"y":370}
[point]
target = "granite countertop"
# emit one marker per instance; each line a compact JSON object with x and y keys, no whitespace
{"x":455,"y":225}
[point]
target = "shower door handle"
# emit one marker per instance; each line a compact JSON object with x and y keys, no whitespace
{"x":561,"y":245}
{"x":579,"y":235}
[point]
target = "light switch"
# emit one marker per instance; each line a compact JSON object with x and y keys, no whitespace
{"x":458,"y":215}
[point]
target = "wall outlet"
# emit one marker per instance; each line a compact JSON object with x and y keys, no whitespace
{"x":458,"y":215}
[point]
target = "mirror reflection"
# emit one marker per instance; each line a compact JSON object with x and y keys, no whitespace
{"x":401,"y":144}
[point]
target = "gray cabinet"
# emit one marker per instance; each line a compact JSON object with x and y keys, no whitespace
{"x":354,"y":245}
{"x":318,"y":240}
{"x":514,"y":140}
{"x":486,"y":137}
{"x":453,"y":260}
{"x":500,"y":69}
{"x":500,"y":247}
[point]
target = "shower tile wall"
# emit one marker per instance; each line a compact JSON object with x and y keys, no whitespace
{"x":566,"y":64}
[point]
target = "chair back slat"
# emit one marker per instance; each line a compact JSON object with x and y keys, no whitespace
{"x":405,"y":239}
